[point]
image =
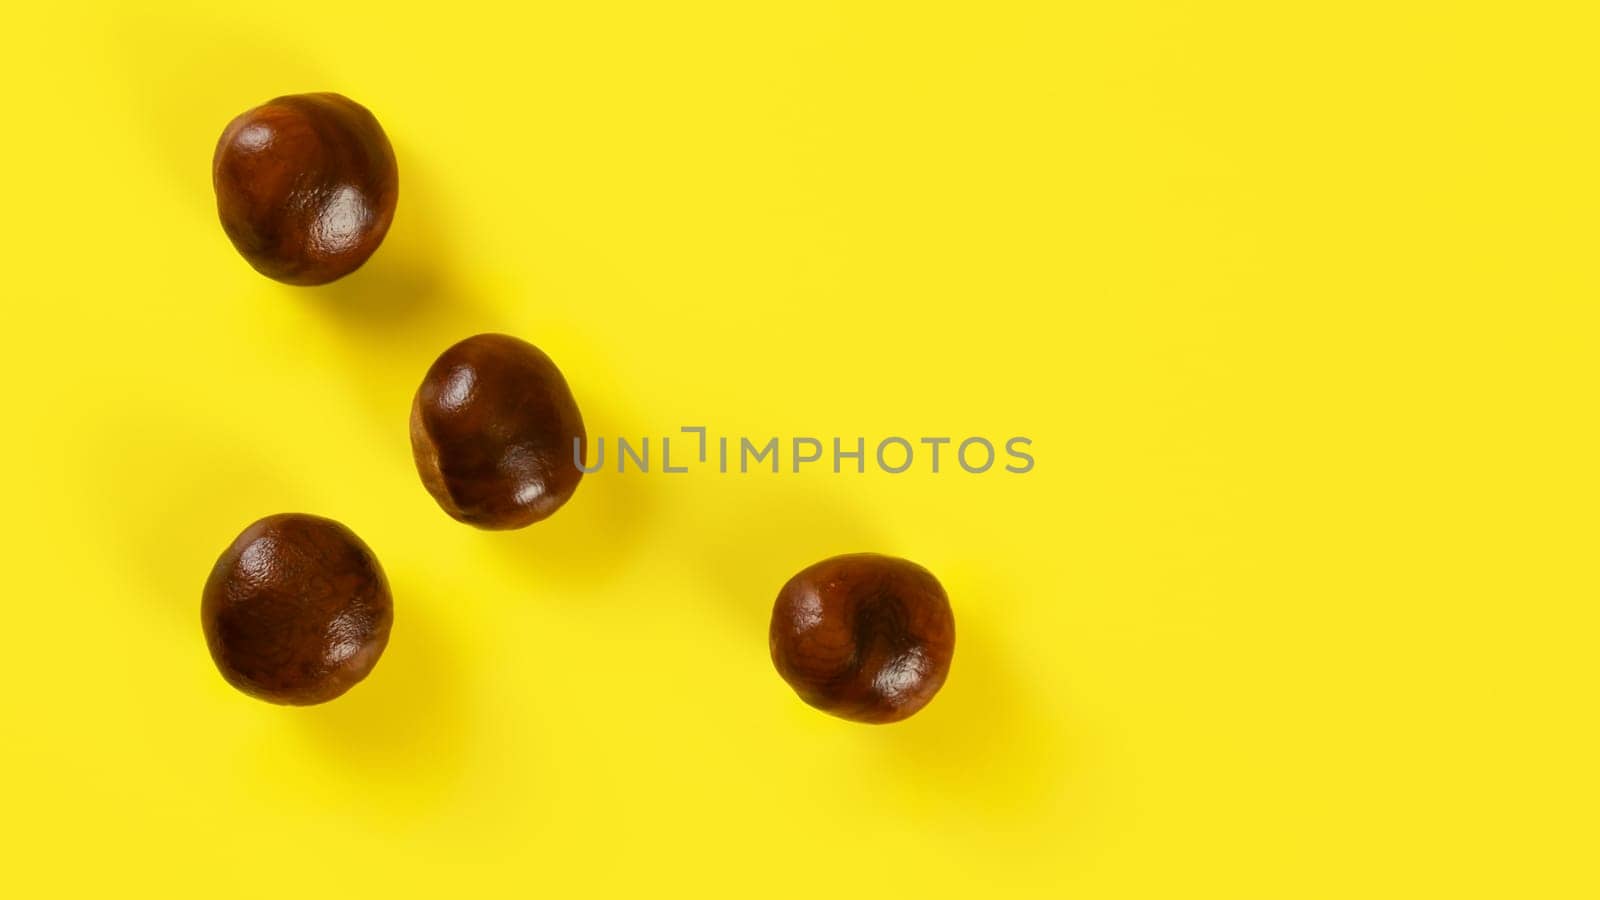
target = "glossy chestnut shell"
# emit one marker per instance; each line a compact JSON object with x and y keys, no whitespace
{"x":306,"y":186}
{"x":492,"y":431}
{"x":296,"y":610}
{"x":865,"y":637}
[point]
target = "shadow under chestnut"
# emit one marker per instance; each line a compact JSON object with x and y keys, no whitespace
{"x":989,"y":745}
{"x":404,"y":728}
{"x":591,"y":539}
{"x":407,"y":303}
{"x":395,"y":315}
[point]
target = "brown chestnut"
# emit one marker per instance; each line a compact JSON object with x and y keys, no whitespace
{"x":306,"y":186}
{"x":863,"y":636}
{"x":296,"y":610}
{"x":493,"y":429}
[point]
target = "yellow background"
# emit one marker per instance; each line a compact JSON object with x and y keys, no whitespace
{"x":1297,"y":302}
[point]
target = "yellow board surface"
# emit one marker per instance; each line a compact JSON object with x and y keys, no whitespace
{"x":1296,"y":302}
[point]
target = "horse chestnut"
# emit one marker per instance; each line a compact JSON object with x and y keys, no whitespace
{"x":493,"y":429}
{"x":306,"y":186}
{"x":296,"y":610}
{"x":864,"y":637}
